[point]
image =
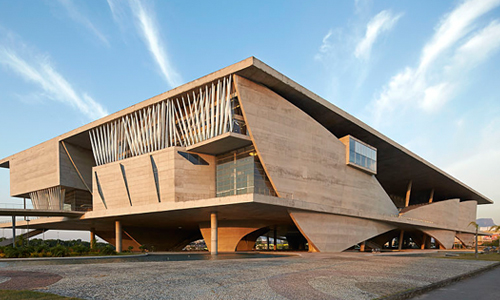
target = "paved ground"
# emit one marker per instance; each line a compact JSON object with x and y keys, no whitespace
{"x":483,"y":286}
{"x":310,"y":276}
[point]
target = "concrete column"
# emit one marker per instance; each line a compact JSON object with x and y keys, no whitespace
{"x":92,"y":238}
{"x":401,"y":236}
{"x":431,"y":197}
{"x":214,"y":234}
{"x":118,"y":236}
{"x":275,"y":239}
{"x":423,"y":242}
{"x":408,"y":192}
{"x":14,"y":231}
{"x":362,"y":247}
{"x":268,"y":242}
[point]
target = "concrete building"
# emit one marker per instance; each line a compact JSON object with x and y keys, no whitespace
{"x":241,"y":153}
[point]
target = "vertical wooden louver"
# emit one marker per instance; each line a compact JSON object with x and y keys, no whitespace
{"x":48,"y":199}
{"x":173,"y":122}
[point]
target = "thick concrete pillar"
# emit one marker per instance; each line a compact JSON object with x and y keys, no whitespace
{"x":118,"y":236}
{"x":14,"y":231}
{"x":275,"y":239}
{"x":267,"y":242}
{"x":213,"y":233}
{"x":362,"y":247}
{"x":401,"y":236}
{"x":424,"y":238}
{"x":431,"y":197}
{"x":92,"y":238}
{"x":408,"y":192}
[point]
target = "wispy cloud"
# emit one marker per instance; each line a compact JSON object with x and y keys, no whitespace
{"x":147,"y":28}
{"x":345,"y":53}
{"x":382,"y":22}
{"x":38,"y":70}
{"x":78,"y":17}
{"x":326,"y":47}
{"x":117,"y":11}
{"x":479,"y":169}
{"x":436,"y":78}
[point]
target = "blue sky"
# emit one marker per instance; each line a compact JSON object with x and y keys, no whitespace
{"x":424,"y":73}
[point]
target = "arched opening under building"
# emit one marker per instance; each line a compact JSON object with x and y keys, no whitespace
{"x":399,"y":239}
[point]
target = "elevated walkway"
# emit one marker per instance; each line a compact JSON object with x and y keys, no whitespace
{"x":19,"y":212}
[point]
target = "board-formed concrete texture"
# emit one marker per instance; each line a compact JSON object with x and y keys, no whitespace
{"x":241,"y":153}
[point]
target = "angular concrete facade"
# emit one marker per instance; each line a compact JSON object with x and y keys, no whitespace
{"x":242,"y":152}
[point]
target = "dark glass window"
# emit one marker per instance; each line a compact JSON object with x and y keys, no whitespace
{"x":195,"y":159}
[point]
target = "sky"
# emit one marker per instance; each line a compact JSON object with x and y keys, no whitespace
{"x":424,"y":73}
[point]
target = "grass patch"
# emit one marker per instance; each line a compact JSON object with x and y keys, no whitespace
{"x":22,"y":295}
{"x":487,"y":257}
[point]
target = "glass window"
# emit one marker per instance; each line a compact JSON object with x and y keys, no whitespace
{"x":240,"y":172}
{"x":362,"y":155}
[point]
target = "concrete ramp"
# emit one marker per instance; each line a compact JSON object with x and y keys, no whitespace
{"x":29,"y":234}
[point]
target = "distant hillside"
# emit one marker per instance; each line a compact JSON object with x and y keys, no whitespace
{"x":485,"y":222}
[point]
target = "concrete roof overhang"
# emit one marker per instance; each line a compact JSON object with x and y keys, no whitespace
{"x":396,"y":165}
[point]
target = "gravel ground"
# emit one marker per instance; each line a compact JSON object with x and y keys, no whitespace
{"x":309,"y":276}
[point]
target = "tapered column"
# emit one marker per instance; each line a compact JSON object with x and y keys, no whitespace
{"x":275,"y":239}
{"x":14,"y":231}
{"x":267,"y":242}
{"x":408,"y":192}
{"x":213,"y":232}
{"x":401,"y":236}
{"x":362,"y":247}
{"x":423,"y":241}
{"x":431,"y":197}
{"x":92,"y":238}
{"x":118,"y":236}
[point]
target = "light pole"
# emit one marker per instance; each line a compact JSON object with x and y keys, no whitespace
{"x":28,"y":232}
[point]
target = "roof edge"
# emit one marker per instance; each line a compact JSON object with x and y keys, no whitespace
{"x":300,"y":89}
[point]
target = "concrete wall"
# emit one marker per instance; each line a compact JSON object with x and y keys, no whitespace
{"x":179,"y":180}
{"x":335,"y":233}
{"x":229,"y":233}
{"x":84,"y":161}
{"x":444,"y":237}
{"x":35,"y":169}
{"x":467,"y":214}
{"x":439,"y":214}
{"x":306,"y":161}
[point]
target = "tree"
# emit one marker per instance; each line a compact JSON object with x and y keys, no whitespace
{"x":496,"y":228}
{"x":477,"y":230}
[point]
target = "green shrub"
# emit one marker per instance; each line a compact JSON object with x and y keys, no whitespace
{"x":80,"y":249}
{"x":11,"y":252}
{"x":59,"y":251}
{"x":107,"y":250}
